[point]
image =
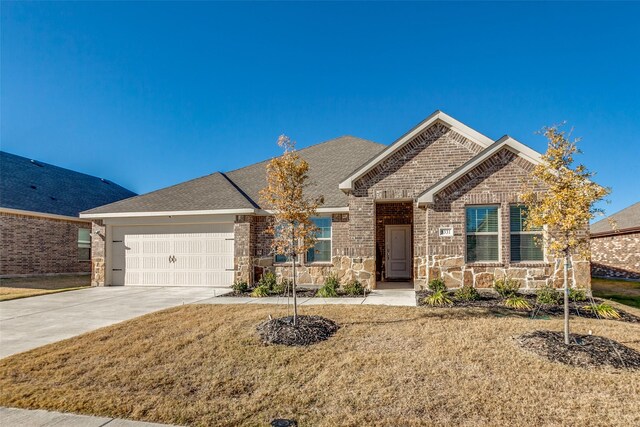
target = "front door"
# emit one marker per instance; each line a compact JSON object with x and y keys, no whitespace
{"x":397,"y":251}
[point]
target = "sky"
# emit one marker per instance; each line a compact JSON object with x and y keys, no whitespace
{"x":152,"y":94}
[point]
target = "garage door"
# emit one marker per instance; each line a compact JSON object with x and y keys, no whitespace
{"x":184,"y":255}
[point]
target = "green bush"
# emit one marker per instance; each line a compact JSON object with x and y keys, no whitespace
{"x":467,"y":293}
{"x":576,"y":294}
{"x":517,"y":302}
{"x":548,"y":295}
{"x":332,"y":280}
{"x":603,"y":310}
{"x":438,"y":298}
{"x":354,"y":287}
{"x":506,"y":287}
{"x":268,"y":280}
{"x":260,"y":291}
{"x":436,"y":285}
{"x":240,"y":286}
{"x":328,"y":290}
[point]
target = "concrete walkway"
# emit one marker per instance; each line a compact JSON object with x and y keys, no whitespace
{"x":39,"y":418}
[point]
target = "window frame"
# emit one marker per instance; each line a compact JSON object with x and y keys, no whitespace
{"x":324,"y":239}
{"x":498,"y":234}
{"x":539,"y":232}
{"x":84,"y":244}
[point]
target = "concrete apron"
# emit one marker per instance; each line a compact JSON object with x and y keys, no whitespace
{"x":40,"y":418}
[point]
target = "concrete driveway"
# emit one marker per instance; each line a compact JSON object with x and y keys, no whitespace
{"x":32,"y":322}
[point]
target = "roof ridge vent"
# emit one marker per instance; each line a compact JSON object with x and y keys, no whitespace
{"x":40,"y":165}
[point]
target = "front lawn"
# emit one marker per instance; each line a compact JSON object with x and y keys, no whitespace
{"x":622,"y":291}
{"x":205,"y":365}
{"x":22,"y":287}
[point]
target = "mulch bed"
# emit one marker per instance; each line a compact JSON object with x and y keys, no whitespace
{"x":300,"y":293}
{"x":310,"y":330}
{"x":493,"y":302}
{"x":586,"y":351}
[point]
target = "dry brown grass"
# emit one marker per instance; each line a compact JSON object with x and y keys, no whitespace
{"x":23,"y":287}
{"x":622,"y":291}
{"x":204,"y":365}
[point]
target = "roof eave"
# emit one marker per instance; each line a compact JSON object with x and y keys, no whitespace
{"x":241,"y":211}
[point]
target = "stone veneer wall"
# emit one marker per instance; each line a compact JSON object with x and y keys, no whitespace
{"x":98,"y":253}
{"x":34,"y":245}
{"x":496,"y":181}
{"x":253,"y":257}
{"x":616,"y":256}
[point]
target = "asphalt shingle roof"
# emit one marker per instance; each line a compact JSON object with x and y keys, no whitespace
{"x":627,"y":218}
{"x":329,"y":162}
{"x":36,"y":186}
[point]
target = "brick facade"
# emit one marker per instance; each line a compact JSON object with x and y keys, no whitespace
{"x":616,"y":255}
{"x":33,"y":245}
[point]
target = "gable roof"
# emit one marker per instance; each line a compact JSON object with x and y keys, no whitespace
{"x":35,"y":186}
{"x":436,"y":117}
{"x":238,"y":191}
{"x":208,"y":194}
{"x":627,"y":218}
{"x":505,"y":142}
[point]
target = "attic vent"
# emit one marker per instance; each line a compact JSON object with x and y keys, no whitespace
{"x":33,"y":187}
{"x":36,"y":163}
{"x":105,"y":181}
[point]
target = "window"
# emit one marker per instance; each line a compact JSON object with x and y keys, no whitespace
{"x":526,"y":245}
{"x":84,"y":244}
{"x":279,"y":257}
{"x":482,"y":234}
{"x":321,"y":252}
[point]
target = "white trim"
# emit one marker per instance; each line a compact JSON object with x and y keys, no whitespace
{"x":506,"y":141}
{"x":168,"y":213}
{"x":436,"y":117}
{"x":42,"y":215}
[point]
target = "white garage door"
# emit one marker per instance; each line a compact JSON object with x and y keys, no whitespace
{"x":173,"y":255}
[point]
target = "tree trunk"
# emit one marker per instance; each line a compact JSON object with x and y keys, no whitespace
{"x":293,"y":262}
{"x":566,"y":297}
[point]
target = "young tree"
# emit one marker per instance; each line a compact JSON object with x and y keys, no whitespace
{"x":292,"y":229}
{"x":566,"y":206}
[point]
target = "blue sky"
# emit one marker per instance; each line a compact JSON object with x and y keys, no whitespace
{"x":152,"y":94}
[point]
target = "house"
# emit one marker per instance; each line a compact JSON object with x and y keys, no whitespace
{"x":40,"y":229}
{"x":615,"y":245}
{"x":440,"y":201}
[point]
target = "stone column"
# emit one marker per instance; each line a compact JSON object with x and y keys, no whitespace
{"x":98,"y":251}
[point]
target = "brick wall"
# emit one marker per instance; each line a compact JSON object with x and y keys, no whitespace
{"x":616,"y":256}
{"x":422,"y":162}
{"x":38,"y":245}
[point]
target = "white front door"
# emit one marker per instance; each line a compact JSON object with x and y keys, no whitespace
{"x":174,"y":255}
{"x":398,"y":251}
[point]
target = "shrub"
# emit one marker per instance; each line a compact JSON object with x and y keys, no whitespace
{"x":547,"y":295}
{"x":332,"y":280}
{"x":240,"y":286}
{"x":260,"y":291}
{"x":328,"y":290}
{"x":438,"y":298}
{"x":467,"y":293}
{"x":268,"y":280}
{"x":354,"y":287}
{"x":603,"y":310}
{"x":279,"y":288}
{"x":506,"y":287}
{"x":436,"y":285}
{"x":576,"y":294}
{"x":517,"y":302}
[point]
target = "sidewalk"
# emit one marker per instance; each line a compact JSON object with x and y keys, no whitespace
{"x":11,"y":417}
{"x":395,"y":297}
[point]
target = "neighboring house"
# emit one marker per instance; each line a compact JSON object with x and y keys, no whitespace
{"x":441,"y":201}
{"x":615,"y":245}
{"x":40,"y":230}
